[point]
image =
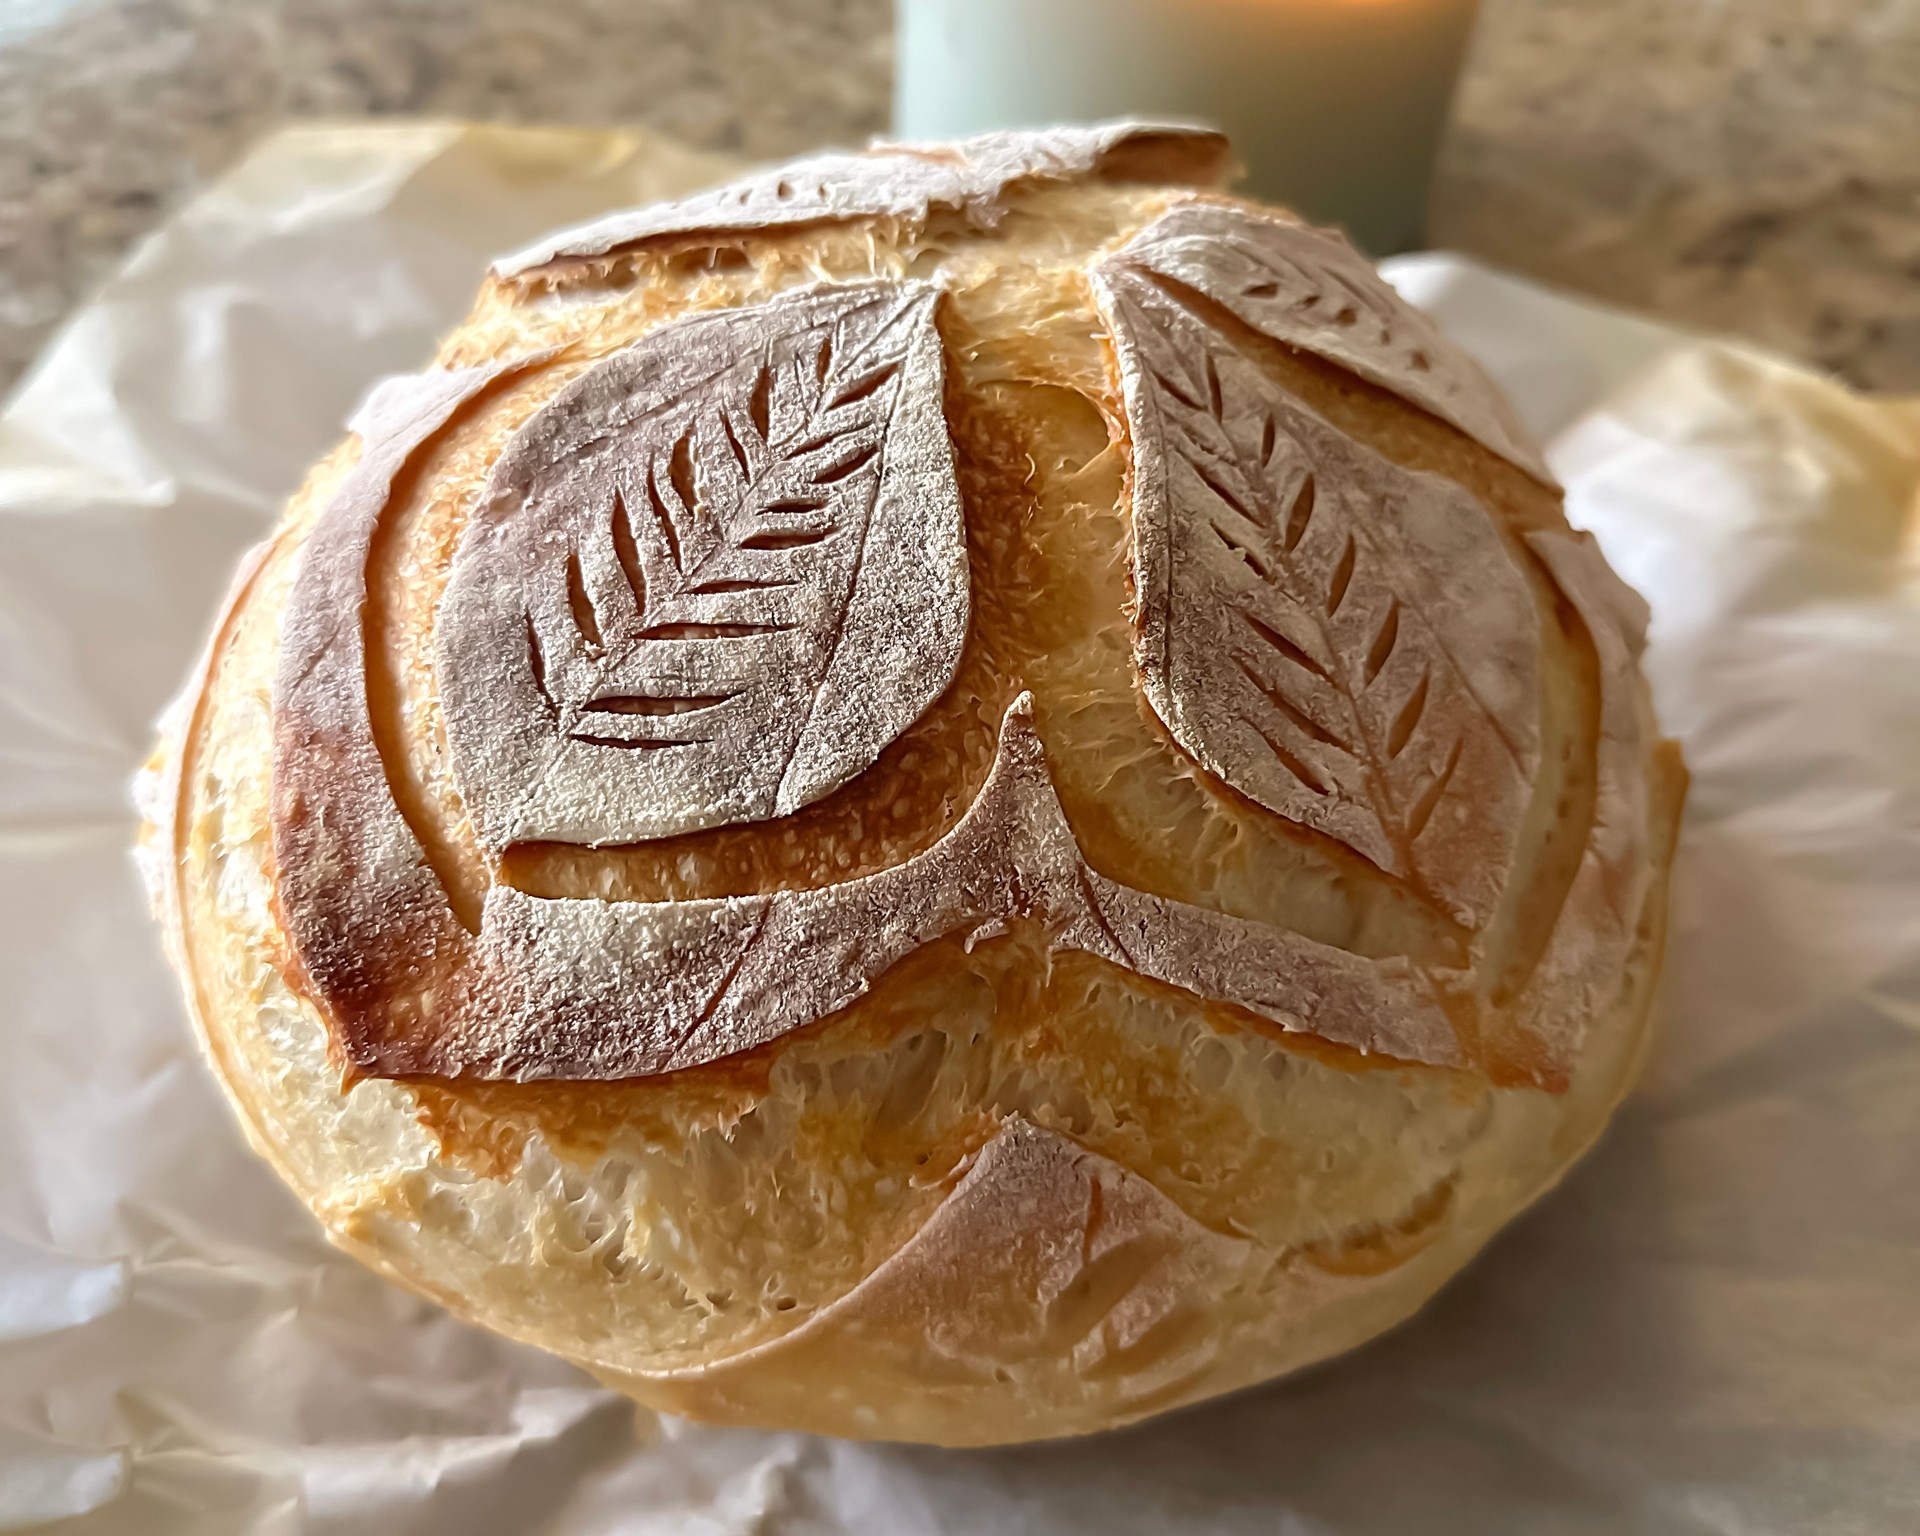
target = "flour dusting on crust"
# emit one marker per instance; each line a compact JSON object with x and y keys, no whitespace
{"x":1342,"y":640}
{"x":1308,"y":288}
{"x":713,"y":578}
{"x":898,"y":181}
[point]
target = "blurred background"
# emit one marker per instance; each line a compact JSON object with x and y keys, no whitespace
{"x":1750,"y":166}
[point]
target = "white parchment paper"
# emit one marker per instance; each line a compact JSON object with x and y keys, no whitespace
{"x":1713,"y":1327}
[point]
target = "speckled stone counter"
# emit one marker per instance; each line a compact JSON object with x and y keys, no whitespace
{"x":1752,"y":168}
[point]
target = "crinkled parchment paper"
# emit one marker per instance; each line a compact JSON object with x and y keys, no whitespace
{"x":1714,"y":1326}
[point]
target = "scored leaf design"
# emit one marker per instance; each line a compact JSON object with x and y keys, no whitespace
{"x":714,"y":578}
{"x":1308,"y":288}
{"x":1343,"y":641}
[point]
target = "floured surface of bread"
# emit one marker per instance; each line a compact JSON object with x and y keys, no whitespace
{"x":1229,"y":925}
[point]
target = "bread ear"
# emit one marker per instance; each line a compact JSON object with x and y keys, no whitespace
{"x":906,"y":183}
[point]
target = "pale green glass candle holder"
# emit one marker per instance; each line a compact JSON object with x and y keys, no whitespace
{"x":1336,"y":106}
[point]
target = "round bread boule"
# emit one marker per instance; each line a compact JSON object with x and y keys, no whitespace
{"x":958,"y":794}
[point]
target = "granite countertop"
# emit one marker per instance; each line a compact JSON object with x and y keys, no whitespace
{"x":1750,"y":167}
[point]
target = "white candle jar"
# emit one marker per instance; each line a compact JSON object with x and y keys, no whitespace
{"x":1336,"y":106}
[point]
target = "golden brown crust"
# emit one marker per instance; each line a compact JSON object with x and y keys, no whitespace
{"x":365,"y":913}
{"x":1056,"y":1062}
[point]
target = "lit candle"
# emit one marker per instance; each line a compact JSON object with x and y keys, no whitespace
{"x":1335,"y":105}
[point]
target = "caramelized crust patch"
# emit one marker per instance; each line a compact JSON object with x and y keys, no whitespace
{"x":368,"y":918}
